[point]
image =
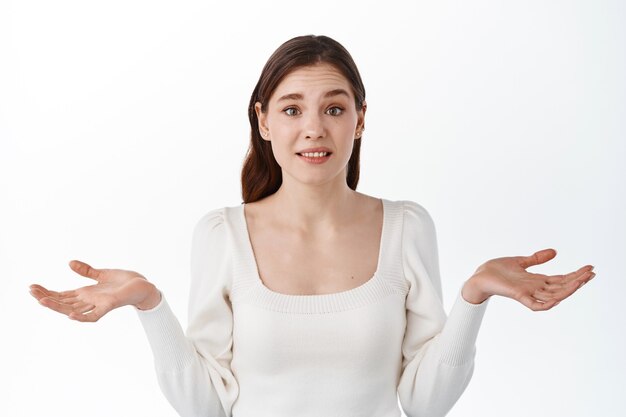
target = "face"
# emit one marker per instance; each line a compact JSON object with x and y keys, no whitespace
{"x":313,"y":108}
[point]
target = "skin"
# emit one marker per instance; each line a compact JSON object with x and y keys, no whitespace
{"x":331,"y":233}
{"x":113,"y":288}
{"x":312,"y":120}
{"x":508,"y":277}
{"x":319,"y":201}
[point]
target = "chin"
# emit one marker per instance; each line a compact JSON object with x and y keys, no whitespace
{"x":318,"y":180}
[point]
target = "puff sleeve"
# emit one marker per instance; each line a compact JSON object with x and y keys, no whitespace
{"x":438,"y":351}
{"x":193,"y":369}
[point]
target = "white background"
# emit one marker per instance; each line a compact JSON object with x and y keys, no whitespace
{"x":123,"y":122}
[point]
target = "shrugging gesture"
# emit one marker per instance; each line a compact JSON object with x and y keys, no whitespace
{"x":114,"y":288}
{"x":508,"y":277}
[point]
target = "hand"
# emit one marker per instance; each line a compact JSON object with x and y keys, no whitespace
{"x":508,"y":277}
{"x":114,"y":288}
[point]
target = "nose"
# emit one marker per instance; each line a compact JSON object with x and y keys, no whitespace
{"x":313,"y":126}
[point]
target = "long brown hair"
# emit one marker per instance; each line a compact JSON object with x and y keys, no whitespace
{"x":261,"y":175}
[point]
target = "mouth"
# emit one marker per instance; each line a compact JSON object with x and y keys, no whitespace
{"x":314,"y":154}
{"x":314,"y":157}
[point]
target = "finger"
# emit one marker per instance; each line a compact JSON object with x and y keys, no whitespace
{"x":39,"y":292}
{"x":543,"y":296}
{"x":82,"y":308}
{"x":536,"y":305}
{"x":537,"y":258}
{"x":44,"y":291}
{"x":61,"y":294}
{"x":85,"y":270}
{"x":559,"y":291}
{"x":55,"y":305}
{"x":580,"y":282}
{"x":556,"y":282}
{"x":37,"y":287}
{"x":586,"y":280}
{"x":564,"y":279}
{"x":566,"y":290}
{"x":71,"y":300}
{"x":90,"y":317}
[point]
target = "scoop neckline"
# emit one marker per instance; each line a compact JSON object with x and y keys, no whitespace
{"x":362,"y":288}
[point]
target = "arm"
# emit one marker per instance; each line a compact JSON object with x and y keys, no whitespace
{"x":438,"y":351}
{"x":193,"y":370}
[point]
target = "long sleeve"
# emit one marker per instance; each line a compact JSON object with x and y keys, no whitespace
{"x":193,"y":370}
{"x":438,"y":351}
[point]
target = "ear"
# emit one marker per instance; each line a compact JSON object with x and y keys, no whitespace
{"x":360,"y":123}
{"x":262,"y":118}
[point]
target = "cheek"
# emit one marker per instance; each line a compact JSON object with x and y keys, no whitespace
{"x":348,"y":125}
{"x":281,"y":149}
{"x":349,"y":147}
{"x":281,"y":129}
{"x":347,"y":131}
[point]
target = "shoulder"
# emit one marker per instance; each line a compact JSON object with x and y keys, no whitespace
{"x":212,"y":219}
{"x":416,"y":218}
{"x":419,"y":235}
{"x":419,"y":245}
{"x":213,"y":225}
{"x":212,"y":254}
{"x":217,"y":217}
{"x":413,"y":208}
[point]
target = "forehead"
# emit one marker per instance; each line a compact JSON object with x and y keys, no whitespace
{"x":314,"y":79}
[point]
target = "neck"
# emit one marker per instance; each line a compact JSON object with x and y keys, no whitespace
{"x":311,"y":207}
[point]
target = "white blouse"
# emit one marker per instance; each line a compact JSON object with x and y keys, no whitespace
{"x":252,"y":352}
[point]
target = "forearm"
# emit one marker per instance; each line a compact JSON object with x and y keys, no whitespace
{"x":435,"y":378}
{"x":182,"y":374}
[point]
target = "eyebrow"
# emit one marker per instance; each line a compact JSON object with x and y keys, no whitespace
{"x":331,"y":93}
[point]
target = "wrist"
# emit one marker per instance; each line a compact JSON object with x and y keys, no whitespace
{"x":152,"y":299}
{"x":472,"y":291}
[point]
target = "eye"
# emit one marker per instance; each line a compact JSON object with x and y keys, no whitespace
{"x":334,"y":111}
{"x":291,"y":111}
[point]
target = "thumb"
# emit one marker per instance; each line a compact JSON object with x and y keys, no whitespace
{"x":537,"y":258}
{"x":85,"y":270}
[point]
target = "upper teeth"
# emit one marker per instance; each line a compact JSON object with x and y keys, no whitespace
{"x":314,"y":154}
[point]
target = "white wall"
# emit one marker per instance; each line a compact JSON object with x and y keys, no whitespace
{"x":122,"y":122}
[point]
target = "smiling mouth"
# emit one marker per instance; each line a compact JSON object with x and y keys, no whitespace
{"x":314,"y":154}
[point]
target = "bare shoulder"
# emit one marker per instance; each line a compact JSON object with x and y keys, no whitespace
{"x":255,"y":210}
{"x":261,"y":214}
{"x":369,"y":206}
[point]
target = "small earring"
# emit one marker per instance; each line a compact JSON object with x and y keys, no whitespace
{"x":265,"y":133}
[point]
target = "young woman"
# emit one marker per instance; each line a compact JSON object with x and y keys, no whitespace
{"x":310,"y":298}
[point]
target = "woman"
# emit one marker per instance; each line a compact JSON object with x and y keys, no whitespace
{"x":312,"y":299}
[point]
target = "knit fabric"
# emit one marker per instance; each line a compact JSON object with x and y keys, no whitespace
{"x":251,"y":352}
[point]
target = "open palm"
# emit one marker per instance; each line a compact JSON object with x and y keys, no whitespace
{"x":114,"y":288}
{"x":508,"y":277}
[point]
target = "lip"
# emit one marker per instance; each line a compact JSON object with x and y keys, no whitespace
{"x":315,"y":160}
{"x":319,"y":149}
